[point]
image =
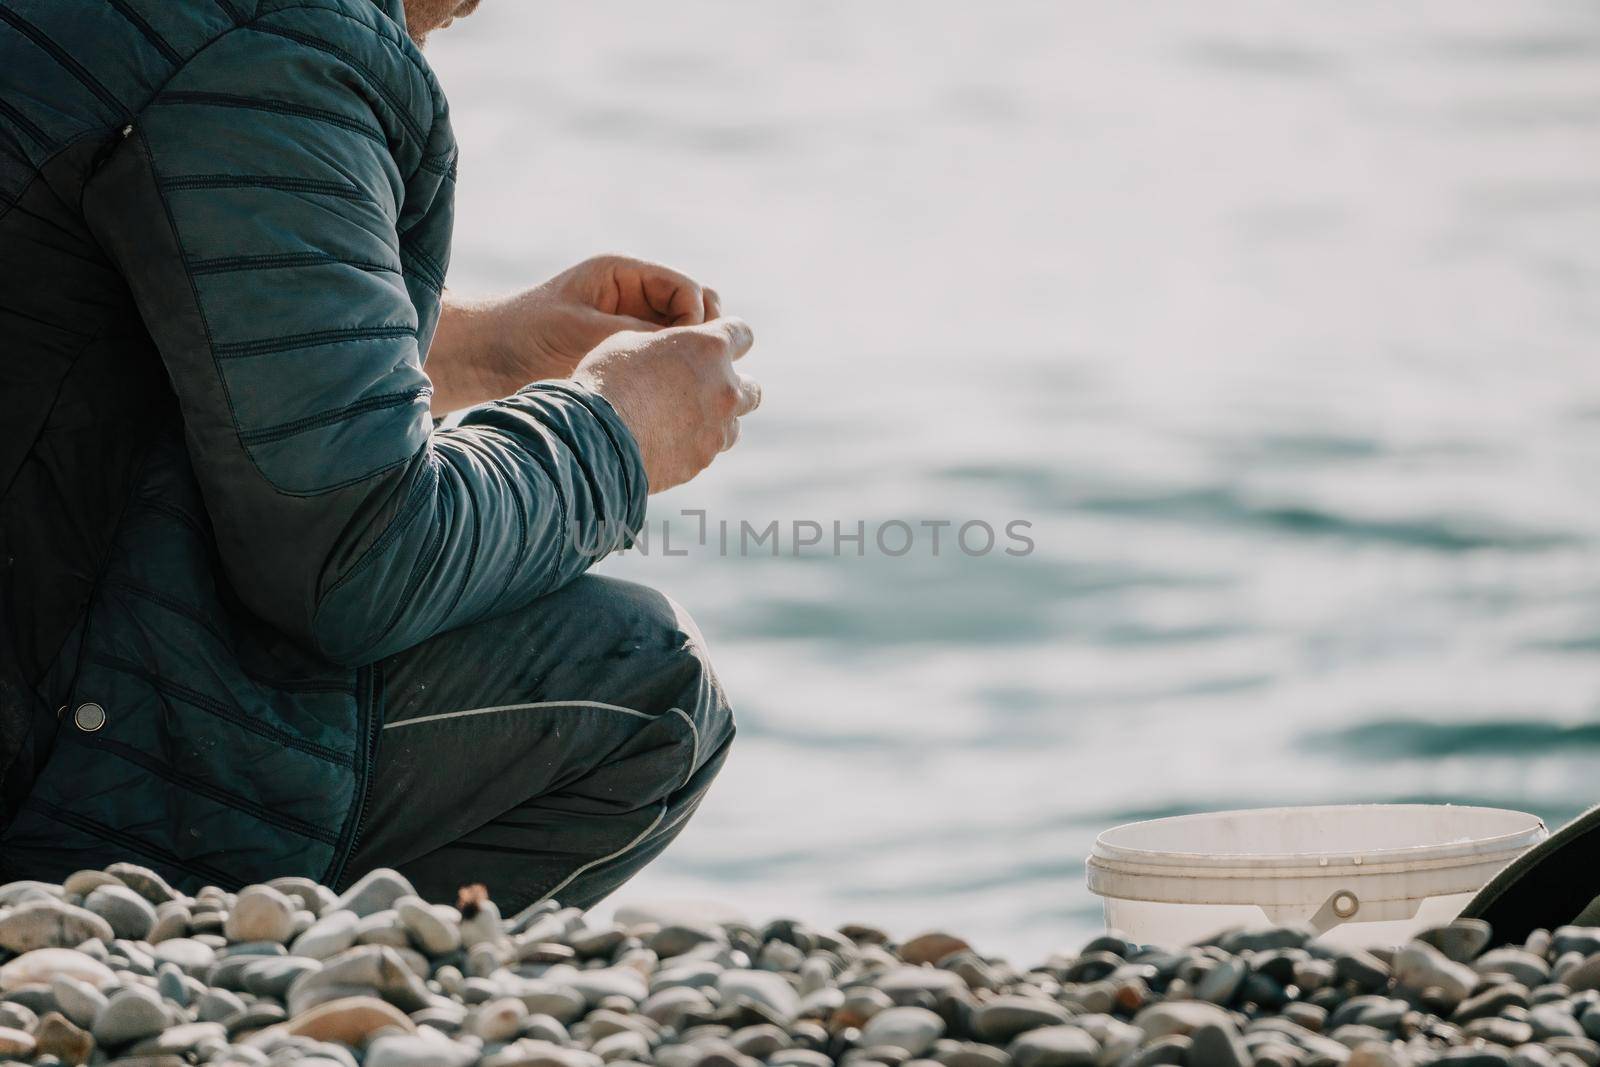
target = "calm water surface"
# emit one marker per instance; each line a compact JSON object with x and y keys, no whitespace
{"x":1281,"y":324}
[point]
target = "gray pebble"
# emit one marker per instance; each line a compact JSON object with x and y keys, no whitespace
{"x":79,"y":1001}
{"x":260,"y":913}
{"x":128,"y":914}
{"x":1460,"y":940}
{"x":376,"y":891}
{"x":49,"y":923}
{"x":1004,"y":1017}
{"x":1223,"y":981}
{"x":131,"y":1013}
{"x":912,"y":1029}
{"x":328,"y":936}
{"x":1218,"y":1045}
{"x":144,"y":881}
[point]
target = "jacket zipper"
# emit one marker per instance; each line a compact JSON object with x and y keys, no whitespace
{"x":370,"y":680}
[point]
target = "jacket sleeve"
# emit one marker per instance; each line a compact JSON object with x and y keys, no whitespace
{"x":280,"y":213}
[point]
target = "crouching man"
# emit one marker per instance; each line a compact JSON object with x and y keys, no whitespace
{"x":257,"y":615}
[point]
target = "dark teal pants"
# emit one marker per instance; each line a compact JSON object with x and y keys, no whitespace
{"x":548,"y":753}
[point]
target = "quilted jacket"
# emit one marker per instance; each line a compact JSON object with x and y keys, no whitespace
{"x":224,"y":230}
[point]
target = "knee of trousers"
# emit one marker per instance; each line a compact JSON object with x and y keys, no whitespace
{"x":667,"y":666}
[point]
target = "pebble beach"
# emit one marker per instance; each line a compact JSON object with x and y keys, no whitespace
{"x":117,"y":967}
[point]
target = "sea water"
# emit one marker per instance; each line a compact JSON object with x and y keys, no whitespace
{"x":1280,"y":325}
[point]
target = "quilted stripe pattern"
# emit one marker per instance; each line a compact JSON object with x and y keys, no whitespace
{"x":250,"y":205}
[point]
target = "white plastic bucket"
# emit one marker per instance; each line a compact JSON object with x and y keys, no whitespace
{"x":1363,"y":875}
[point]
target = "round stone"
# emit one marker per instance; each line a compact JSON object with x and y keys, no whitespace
{"x":1004,"y":1017}
{"x":40,"y":965}
{"x":1059,"y":1046}
{"x":82,"y":883}
{"x":58,"y":1037}
{"x":912,"y":1029}
{"x":376,"y":891}
{"x":189,"y":954}
{"x":144,"y":881}
{"x":1460,"y":940}
{"x":1216,"y":1045}
{"x":1179,"y":1017}
{"x":434,"y":930}
{"x":498,"y":1020}
{"x":15,"y":1042}
{"x":130,"y":916}
{"x":932,"y":947}
{"x":604,"y":982}
{"x":183,"y":1040}
{"x":260,"y":913}
{"x":79,"y":1001}
{"x":50,"y":923}
{"x":771,"y":991}
{"x":133,"y":1012}
{"x":328,"y":936}
{"x":426,"y":1048}
{"x":348,"y":1021}
{"x":626,"y":1047}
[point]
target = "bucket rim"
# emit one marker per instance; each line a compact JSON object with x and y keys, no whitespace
{"x":1109,"y":854}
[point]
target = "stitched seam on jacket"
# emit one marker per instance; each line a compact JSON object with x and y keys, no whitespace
{"x":616,"y":446}
{"x":200,"y":700}
{"x":547,"y":465}
{"x":132,"y":755}
{"x":203,"y":871}
{"x":440,"y":163}
{"x":425,"y":559}
{"x":294,"y":342}
{"x":423,"y":265}
{"x":177,"y":607}
{"x":265,"y":181}
{"x":402,"y":112}
{"x":151,"y":504}
{"x":194,"y":289}
{"x":68,"y":330}
{"x":180,"y":97}
{"x":20,"y":121}
{"x":425,"y":489}
{"x":588,"y":475}
{"x":281,"y":261}
{"x":158,"y":42}
{"x":234,"y":14}
{"x":398,"y":44}
{"x":63,"y":59}
{"x":381,"y":402}
{"x":514,"y":485}
{"x":472,"y":552}
{"x":435,"y":268}
{"x":300,"y":685}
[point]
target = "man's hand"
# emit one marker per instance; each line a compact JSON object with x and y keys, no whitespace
{"x":676,"y":389}
{"x":566,"y":317}
{"x":491,"y":348}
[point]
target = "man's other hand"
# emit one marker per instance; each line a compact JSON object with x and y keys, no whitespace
{"x":546,"y":331}
{"x":491,"y":348}
{"x":677,"y":391}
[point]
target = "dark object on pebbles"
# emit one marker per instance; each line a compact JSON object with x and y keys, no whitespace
{"x":1547,"y":885}
{"x":292,"y":973}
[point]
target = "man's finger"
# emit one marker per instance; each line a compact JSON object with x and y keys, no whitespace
{"x":713,"y":301}
{"x":730,"y":434}
{"x":618,"y":323}
{"x":677,"y":299}
{"x":731,"y":331}
{"x":749,"y":396}
{"x":650,"y":291}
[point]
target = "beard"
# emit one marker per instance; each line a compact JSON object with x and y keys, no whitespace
{"x":425,"y":16}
